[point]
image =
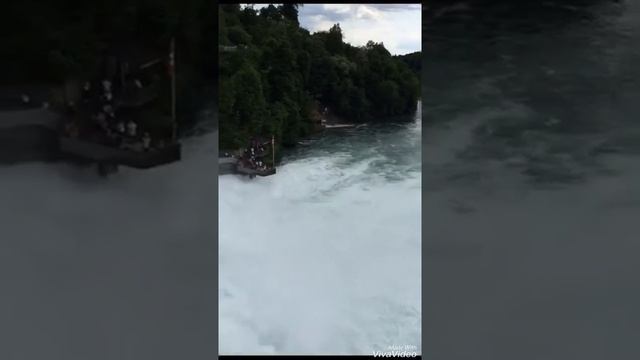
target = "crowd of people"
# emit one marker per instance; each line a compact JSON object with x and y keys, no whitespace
{"x":253,"y":155}
{"x":100,"y":106}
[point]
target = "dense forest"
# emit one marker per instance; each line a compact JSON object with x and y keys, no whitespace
{"x":275,"y":76}
{"x":414,"y":61}
{"x":52,"y":41}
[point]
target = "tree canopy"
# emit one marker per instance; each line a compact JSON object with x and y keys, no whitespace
{"x":413,"y":60}
{"x":274,"y":74}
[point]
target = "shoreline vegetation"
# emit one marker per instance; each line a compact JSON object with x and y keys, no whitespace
{"x":278,"y":79}
{"x":58,"y":46}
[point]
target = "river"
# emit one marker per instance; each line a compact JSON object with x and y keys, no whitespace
{"x":531,"y":147}
{"x":324,"y":256}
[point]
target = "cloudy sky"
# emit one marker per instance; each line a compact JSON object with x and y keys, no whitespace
{"x":398,"y":26}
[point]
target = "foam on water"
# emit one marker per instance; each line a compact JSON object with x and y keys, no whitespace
{"x":321,"y":258}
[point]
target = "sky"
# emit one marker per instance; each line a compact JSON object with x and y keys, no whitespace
{"x":398,"y":26}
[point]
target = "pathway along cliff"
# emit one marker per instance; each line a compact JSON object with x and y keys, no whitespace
{"x":324,"y":256}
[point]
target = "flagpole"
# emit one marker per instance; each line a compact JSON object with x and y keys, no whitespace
{"x":273,"y":151}
{"x":173,"y":87}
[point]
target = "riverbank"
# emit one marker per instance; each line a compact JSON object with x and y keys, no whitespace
{"x":324,"y":119}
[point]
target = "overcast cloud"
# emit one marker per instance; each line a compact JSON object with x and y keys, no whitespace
{"x":398,"y":26}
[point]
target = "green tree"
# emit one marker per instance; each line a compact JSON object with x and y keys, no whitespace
{"x":290,"y":12}
{"x":284,"y":74}
{"x":334,"y":40}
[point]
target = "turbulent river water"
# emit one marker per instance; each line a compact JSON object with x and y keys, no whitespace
{"x":324,"y":256}
{"x":116,"y":268}
{"x":531,"y":185}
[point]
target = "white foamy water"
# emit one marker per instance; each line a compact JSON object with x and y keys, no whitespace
{"x":117,"y":268}
{"x":324,"y":256}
